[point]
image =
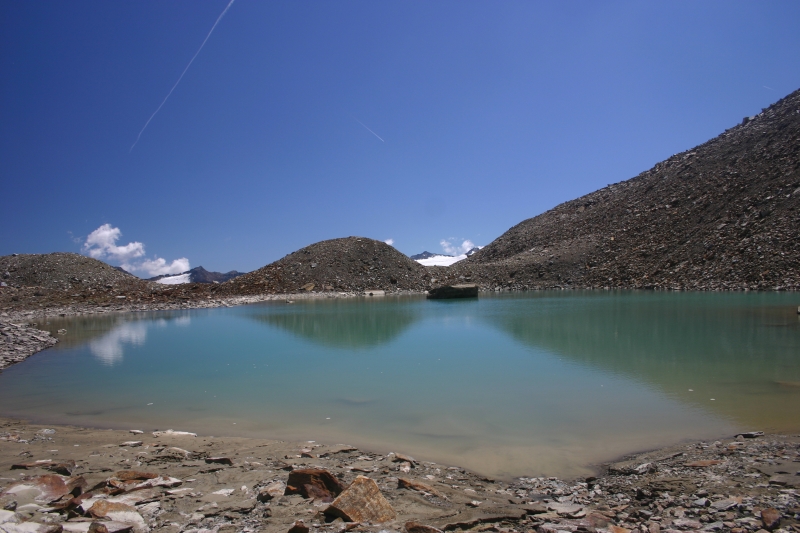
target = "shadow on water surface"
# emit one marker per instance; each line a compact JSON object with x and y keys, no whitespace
{"x":739,"y":349}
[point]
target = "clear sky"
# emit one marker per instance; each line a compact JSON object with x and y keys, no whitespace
{"x":302,"y":121}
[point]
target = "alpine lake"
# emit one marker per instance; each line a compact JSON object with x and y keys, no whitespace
{"x":507,"y":384}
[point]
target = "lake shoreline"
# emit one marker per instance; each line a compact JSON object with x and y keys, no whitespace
{"x":26,"y":340}
{"x":221,"y":483}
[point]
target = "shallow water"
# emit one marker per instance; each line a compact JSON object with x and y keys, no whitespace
{"x":545,"y":383}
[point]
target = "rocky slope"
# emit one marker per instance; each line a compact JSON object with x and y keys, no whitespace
{"x":347,"y":264}
{"x":63,"y":271}
{"x":723,"y":215}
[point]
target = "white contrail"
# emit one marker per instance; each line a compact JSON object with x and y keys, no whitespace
{"x":182,"y":73}
{"x":369,"y":130}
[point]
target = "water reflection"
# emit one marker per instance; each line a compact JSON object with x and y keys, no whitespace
{"x":109,"y":348}
{"x":343,"y":323}
{"x":107,"y":335}
{"x":740,"y":350}
{"x":542,"y":383}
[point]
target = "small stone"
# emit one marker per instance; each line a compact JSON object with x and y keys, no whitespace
{"x":771,"y":518}
{"x":271,"y":491}
{"x":134,"y":475}
{"x":400,"y":458}
{"x":703,"y":464}
{"x":404,"y":483}
{"x":686,"y":523}
{"x":617,"y":529}
{"x":97,"y":527}
{"x":752,"y":434}
{"x":416,"y":527}
{"x":298,"y":527}
{"x":219,"y":460}
{"x":724,"y":505}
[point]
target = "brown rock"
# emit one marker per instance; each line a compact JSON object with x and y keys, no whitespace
{"x":65,"y":468}
{"x":134,"y":475}
{"x":97,"y":527}
{"x":416,"y":527}
{"x":405,"y":483}
{"x":298,"y":527}
{"x":616,"y":529}
{"x":703,"y":464}
{"x":771,"y":518}
{"x":50,"y":487}
{"x":103,"y":508}
{"x":362,"y":501}
{"x":313,"y":483}
{"x":77,"y":485}
{"x":598,"y":519}
{"x":400,"y":458}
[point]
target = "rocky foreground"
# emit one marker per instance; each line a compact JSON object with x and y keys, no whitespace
{"x":66,"y":479}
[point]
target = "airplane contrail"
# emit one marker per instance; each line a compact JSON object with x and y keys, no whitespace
{"x":181,"y":76}
{"x":369,"y":130}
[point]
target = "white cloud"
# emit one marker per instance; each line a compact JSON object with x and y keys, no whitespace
{"x":102,"y":244}
{"x":159,"y":266}
{"x":390,"y":242}
{"x":455,"y":249}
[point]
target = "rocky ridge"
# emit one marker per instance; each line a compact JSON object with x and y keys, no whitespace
{"x":79,"y":481}
{"x":350,"y":264}
{"x":723,"y":215}
{"x":64,"y":271}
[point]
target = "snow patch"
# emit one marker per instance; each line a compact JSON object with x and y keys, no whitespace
{"x":441,"y":260}
{"x":175,"y":280}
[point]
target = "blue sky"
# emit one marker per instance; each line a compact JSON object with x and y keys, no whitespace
{"x":484,"y":114}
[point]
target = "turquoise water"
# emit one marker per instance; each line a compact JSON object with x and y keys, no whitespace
{"x":544,"y":383}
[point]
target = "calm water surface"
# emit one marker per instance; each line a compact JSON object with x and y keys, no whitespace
{"x":542,"y":383}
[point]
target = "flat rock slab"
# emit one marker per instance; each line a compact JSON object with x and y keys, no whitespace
{"x":30,"y":527}
{"x":362,"y":501}
{"x":45,"y":488}
{"x":404,"y":483}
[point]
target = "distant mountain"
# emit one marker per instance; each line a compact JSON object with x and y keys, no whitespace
{"x":471,"y":251}
{"x":121,"y":270}
{"x":428,"y":255}
{"x":196,"y":275}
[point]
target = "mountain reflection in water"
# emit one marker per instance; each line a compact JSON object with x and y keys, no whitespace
{"x":510,"y":384}
{"x":735,"y":348}
{"x":338,"y":323}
